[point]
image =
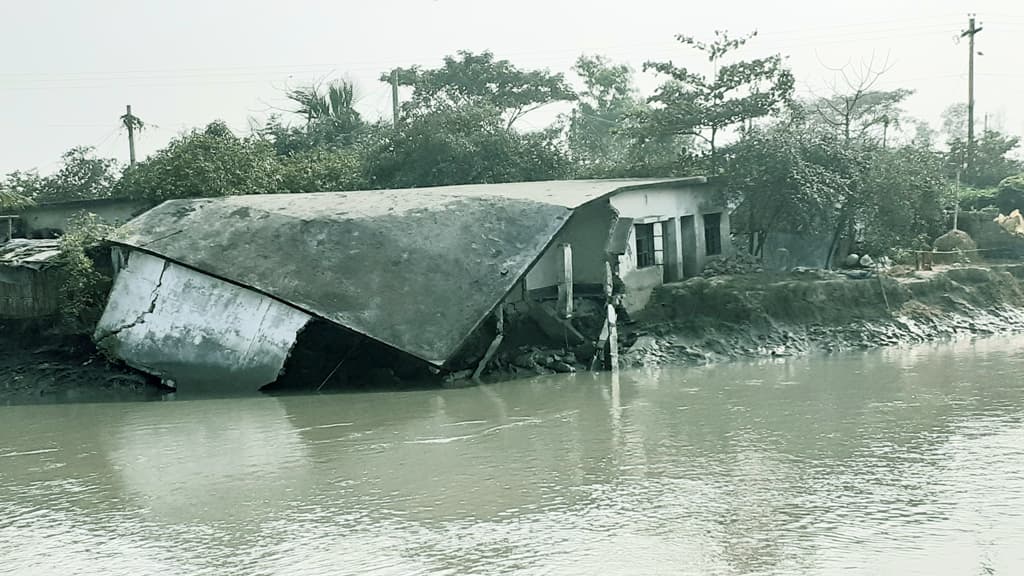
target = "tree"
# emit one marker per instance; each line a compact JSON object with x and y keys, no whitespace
{"x":335,"y":105}
{"x":905,"y":197}
{"x":478,"y":80}
{"x":855,"y":109}
{"x":694,"y":104}
{"x":82,"y":176}
{"x":208,"y":162}
{"x":785,"y":177}
{"x":470,"y":144}
{"x":596,"y":143}
{"x":1010,"y":195}
{"x":330,"y":120}
{"x":17,"y":190}
{"x":859,"y":113}
{"x":323,"y":170}
{"x":992,"y":159}
{"x":954,"y":121}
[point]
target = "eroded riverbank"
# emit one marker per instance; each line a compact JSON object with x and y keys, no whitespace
{"x":37,"y":365}
{"x":723,"y":318}
{"x":700,"y":321}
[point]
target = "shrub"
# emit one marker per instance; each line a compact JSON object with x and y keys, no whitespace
{"x":84,"y":289}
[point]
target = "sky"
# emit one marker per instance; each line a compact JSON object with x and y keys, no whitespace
{"x":69,"y":67}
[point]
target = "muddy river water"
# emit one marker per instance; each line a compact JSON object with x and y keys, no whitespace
{"x":898,"y":462}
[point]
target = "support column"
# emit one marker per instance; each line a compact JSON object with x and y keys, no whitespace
{"x":565,"y":282}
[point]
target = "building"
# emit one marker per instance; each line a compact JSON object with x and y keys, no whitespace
{"x":29,"y":279}
{"x":50,"y":219}
{"x":218,"y":291}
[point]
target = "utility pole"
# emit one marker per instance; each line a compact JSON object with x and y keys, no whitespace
{"x":956,"y":202}
{"x":394,"y":97}
{"x":131,"y":135}
{"x":970,"y":32}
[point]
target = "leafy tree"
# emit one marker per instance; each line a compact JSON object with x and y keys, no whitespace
{"x":863,"y":113}
{"x":323,"y":170}
{"x":595,"y":140}
{"x":905,"y":197}
{"x":330,"y":120}
{"x":479,"y":81}
{"x":83,"y":288}
{"x":208,"y":162}
{"x":82,"y":176}
{"x":1010,"y":195}
{"x":694,"y":104}
{"x":603,"y":137}
{"x":992,"y":159}
{"x":954,"y":121}
{"x":17,"y":190}
{"x":469,"y":144}
{"x":785,"y":177}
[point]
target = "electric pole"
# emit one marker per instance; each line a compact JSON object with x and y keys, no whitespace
{"x":131,"y":135}
{"x":970,"y":32}
{"x":394,"y":97}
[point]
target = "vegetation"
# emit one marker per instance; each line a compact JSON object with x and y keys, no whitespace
{"x":84,"y":288}
{"x":849,"y":164}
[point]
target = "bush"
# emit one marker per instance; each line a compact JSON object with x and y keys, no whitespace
{"x":1010,"y":196}
{"x":84,"y":289}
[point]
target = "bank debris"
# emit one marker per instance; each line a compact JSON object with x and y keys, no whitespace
{"x":1012,"y":222}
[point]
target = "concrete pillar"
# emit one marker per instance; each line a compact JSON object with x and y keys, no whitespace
{"x":565,"y":282}
{"x":673,"y":243}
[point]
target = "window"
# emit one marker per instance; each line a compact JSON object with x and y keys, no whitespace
{"x":649,"y":245}
{"x":713,"y":234}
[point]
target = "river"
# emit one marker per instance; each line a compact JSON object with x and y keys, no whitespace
{"x":900,"y":461}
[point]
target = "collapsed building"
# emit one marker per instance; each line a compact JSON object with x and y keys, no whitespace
{"x":244,"y":291}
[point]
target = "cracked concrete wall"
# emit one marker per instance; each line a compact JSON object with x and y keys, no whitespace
{"x":194,"y":330}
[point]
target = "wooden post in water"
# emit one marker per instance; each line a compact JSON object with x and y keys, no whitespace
{"x":613,"y":338}
{"x":499,"y":324}
{"x":565,"y":282}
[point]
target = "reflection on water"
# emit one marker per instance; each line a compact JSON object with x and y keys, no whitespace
{"x":896,"y":462}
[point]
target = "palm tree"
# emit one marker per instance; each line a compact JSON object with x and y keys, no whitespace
{"x":336,"y":106}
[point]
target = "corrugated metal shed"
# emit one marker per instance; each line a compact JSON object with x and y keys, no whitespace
{"x":29,"y":282}
{"x":34,"y":254}
{"x":416,"y":269}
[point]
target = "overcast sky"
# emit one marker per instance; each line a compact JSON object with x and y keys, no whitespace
{"x":69,"y":66}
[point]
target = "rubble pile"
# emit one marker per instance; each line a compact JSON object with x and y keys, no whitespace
{"x":531,"y":359}
{"x":1012,"y":222}
{"x":740,"y":263}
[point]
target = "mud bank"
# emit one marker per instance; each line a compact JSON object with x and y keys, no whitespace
{"x":38,"y":365}
{"x":702,"y":321}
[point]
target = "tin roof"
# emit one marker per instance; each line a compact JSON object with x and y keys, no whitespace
{"x":29,"y":253}
{"x":417,"y":269}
